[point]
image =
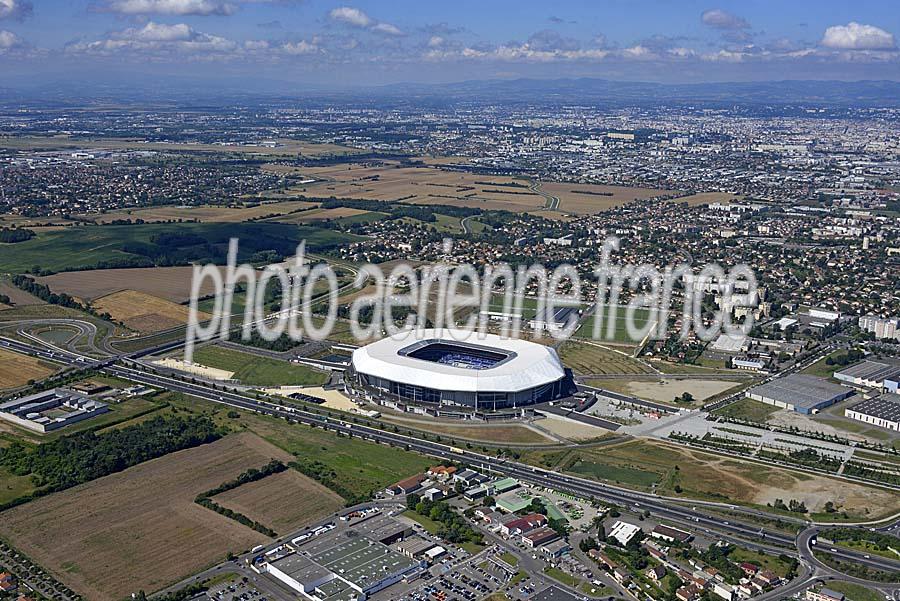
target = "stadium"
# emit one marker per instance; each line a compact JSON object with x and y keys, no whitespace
{"x":459,"y":369}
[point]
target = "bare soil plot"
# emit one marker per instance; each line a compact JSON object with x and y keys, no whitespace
{"x":585,"y":199}
{"x":144,"y":312}
{"x":284,"y":501}
{"x":665,"y":391}
{"x":703,"y":198}
{"x":169,"y":283}
{"x":16,"y":370}
{"x":139,"y":529}
{"x":202,"y":213}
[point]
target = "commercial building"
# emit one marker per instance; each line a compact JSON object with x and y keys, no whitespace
{"x":624,"y":532}
{"x":882,"y":411}
{"x":51,"y":410}
{"x":800,"y":392}
{"x":461,"y":369}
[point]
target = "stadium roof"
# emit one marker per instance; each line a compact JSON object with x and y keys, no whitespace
{"x":527,"y":365}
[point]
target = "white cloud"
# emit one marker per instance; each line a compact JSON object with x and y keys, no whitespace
{"x":722,"y":19}
{"x":357,"y":18}
{"x":638,"y":52}
{"x":351,"y":16}
{"x":171,"y":7}
{"x":8,"y":40}
{"x":387,"y":28}
{"x":153,"y":37}
{"x":15,"y":9}
{"x":855,"y":36}
{"x":301,"y":47}
{"x":435,"y":41}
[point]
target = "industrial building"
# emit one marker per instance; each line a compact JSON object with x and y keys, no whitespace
{"x":882,"y":411}
{"x":868,"y":374}
{"x":461,"y":369}
{"x":800,"y":392}
{"x":341,"y":567}
{"x":51,"y":410}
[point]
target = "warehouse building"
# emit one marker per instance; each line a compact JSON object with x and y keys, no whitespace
{"x":882,"y":411}
{"x":868,"y":374}
{"x":800,"y":392}
{"x":342,"y":567}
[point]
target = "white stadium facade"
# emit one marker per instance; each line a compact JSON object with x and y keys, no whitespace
{"x":482,"y":372}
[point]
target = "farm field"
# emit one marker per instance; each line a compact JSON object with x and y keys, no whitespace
{"x":284,"y":501}
{"x":703,"y":475}
{"x":18,"y":297}
{"x":84,"y":247}
{"x":287,"y":147}
{"x":420,"y":185}
{"x":588,"y":358}
{"x":360,"y":466}
{"x":320,"y":214}
{"x":704,"y":198}
{"x":16,"y":370}
{"x":256,"y":370}
{"x":144,"y":312}
{"x":140,"y":528}
{"x":587,"y":199}
{"x":169,"y":283}
{"x":201,"y":213}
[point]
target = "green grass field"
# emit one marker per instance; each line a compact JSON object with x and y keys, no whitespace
{"x":586,"y":358}
{"x":259,"y":371}
{"x":854,"y":592}
{"x":620,"y":335}
{"x":748,"y":409}
{"x":426,"y":522}
{"x":86,"y":246}
{"x":624,"y":475}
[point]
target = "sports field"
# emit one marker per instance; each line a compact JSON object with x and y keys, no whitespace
{"x":144,"y":312}
{"x":17,"y":370}
{"x":140,"y":528}
{"x":284,"y":502}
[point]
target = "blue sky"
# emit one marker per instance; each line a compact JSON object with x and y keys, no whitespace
{"x":350,"y":43}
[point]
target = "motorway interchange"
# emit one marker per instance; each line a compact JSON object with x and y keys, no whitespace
{"x":699,"y":516}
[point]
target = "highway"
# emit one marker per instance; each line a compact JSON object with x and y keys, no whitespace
{"x":658,"y":506}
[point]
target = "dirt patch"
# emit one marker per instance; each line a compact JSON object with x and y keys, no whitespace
{"x":139,"y":529}
{"x":284,"y":501}
{"x":587,"y":199}
{"x":665,"y":391}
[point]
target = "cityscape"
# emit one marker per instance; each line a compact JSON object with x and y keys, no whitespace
{"x":342,"y":302}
